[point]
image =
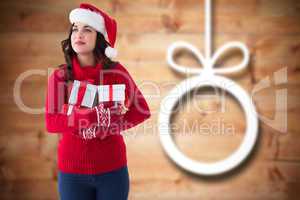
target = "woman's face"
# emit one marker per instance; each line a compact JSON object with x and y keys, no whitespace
{"x":83,"y":38}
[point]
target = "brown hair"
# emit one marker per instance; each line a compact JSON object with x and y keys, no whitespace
{"x":99,"y":50}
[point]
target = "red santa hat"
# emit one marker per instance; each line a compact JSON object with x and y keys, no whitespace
{"x":100,"y":21}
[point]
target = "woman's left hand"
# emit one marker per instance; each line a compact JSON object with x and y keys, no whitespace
{"x":119,"y":108}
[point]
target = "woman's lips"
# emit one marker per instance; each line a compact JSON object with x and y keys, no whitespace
{"x":79,"y":43}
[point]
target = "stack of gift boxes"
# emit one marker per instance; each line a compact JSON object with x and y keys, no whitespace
{"x":100,"y":97}
{"x":90,"y":95}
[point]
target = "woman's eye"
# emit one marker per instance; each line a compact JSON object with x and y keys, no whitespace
{"x":85,"y":30}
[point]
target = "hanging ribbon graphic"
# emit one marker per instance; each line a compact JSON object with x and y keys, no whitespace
{"x":207,"y":77}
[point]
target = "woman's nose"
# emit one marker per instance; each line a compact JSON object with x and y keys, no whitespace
{"x":79,"y":34}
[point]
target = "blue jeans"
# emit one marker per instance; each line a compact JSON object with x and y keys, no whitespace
{"x":112,"y":185}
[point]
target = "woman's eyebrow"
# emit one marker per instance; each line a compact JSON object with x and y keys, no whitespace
{"x":86,"y":26}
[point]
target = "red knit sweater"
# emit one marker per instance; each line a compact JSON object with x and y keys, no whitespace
{"x":93,"y":156}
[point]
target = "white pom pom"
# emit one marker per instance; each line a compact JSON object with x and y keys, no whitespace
{"x":111,"y":52}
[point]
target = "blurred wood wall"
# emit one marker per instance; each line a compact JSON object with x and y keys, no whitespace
{"x":31,"y":32}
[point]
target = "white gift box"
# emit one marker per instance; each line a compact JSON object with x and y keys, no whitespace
{"x":115,"y":92}
{"x":89,"y":96}
{"x":74,"y":92}
{"x":73,"y":96}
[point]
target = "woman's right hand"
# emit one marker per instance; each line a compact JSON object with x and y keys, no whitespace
{"x":118,"y":108}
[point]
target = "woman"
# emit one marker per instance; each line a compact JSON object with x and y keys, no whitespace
{"x":92,"y":162}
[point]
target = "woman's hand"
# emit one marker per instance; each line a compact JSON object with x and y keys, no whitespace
{"x":107,"y":117}
{"x":118,"y":108}
{"x":110,"y":112}
{"x":93,"y":122}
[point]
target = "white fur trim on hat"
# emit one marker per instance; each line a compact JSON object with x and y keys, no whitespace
{"x":111,"y":52}
{"x":89,"y":17}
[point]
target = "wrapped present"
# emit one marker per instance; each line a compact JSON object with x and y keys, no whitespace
{"x":112,"y":96}
{"x":83,"y":94}
{"x":89,"y":98}
{"x":115,"y":92}
{"x":74,"y":93}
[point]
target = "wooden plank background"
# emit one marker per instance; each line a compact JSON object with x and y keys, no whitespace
{"x":31,"y":32}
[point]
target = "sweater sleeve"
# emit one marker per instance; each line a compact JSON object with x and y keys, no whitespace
{"x":56,"y":122}
{"x":138,"y":109}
